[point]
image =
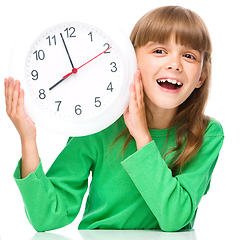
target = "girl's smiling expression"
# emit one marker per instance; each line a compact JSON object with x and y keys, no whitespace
{"x":170,"y":72}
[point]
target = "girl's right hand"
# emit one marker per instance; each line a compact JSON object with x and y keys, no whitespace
{"x":14,"y":98}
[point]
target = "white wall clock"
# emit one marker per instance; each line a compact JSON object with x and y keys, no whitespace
{"x":76,"y":75}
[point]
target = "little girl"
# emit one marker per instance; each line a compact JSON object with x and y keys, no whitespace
{"x":150,"y":168}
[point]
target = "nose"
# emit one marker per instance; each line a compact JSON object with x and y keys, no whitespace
{"x":178,"y":69}
{"x":174,"y":64}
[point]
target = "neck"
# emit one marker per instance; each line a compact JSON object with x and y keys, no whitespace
{"x":159,"y":118}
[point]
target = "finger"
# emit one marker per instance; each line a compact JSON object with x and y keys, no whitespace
{"x":5,"y":86}
{"x":20,"y":106}
{"x":139,"y":88}
{"x":9,"y":95}
{"x":133,"y":99}
{"x":15,"y":97}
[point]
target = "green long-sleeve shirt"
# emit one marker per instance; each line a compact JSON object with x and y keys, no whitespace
{"x":130,"y":190}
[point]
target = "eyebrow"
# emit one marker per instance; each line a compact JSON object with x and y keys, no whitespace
{"x":150,"y":44}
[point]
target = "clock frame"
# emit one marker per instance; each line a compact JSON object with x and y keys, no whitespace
{"x":75,"y":74}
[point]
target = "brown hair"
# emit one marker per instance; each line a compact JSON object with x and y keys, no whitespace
{"x":189,"y":30}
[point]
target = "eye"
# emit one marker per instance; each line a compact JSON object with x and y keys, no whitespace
{"x":189,"y":56}
{"x":159,"y":51}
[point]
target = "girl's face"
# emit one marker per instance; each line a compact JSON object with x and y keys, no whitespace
{"x":170,"y":72}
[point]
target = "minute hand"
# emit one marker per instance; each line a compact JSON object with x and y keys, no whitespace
{"x":67,"y":51}
{"x":75,"y":70}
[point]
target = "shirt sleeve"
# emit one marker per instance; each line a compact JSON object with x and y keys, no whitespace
{"x":174,"y":200}
{"x":53,"y":200}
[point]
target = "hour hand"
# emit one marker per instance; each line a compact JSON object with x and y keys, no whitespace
{"x":66,"y":76}
{"x":75,"y":70}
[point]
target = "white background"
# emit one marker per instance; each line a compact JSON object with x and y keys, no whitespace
{"x":220,"y":212}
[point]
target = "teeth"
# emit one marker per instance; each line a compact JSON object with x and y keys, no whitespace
{"x":174,"y":82}
{"x":170,"y":81}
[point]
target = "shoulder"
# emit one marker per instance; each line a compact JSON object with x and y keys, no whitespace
{"x":214,"y":129}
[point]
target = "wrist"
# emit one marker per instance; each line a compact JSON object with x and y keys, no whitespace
{"x":143,"y":140}
{"x":28,"y":140}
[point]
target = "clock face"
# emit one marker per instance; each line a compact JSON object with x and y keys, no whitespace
{"x":76,"y":75}
{"x":74,"y":71}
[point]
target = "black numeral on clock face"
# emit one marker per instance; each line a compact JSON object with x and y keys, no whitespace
{"x":70,"y":31}
{"x":39,"y":55}
{"x":107,"y":45}
{"x":97,"y":102}
{"x":114,"y":68}
{"x":42,"y":94}
{"x":50,"y":41}
{"x":78,"y":110}
{"x":110,"y":88}
{"x":91,"y":36}
{"x":34,"y":75}
{"x":59,"y":103}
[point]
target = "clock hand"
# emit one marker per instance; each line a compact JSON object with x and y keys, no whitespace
{"x":67,"y":50}
{"x":75,"y":70}
{"x":66,"y":76}
{"x":93,"y":58}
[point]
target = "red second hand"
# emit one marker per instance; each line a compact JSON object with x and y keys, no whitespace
{"x":75,"y":70}
{"x":94,"y":58}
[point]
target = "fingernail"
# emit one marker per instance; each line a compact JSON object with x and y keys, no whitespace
{"x":138,"y":73}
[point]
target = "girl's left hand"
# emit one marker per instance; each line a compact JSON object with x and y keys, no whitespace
{"x":135,"y":114}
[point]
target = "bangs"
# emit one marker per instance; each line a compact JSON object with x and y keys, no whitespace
{"x":159,"y":24}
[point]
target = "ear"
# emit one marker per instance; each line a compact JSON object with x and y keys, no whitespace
{"x":201,"y":80}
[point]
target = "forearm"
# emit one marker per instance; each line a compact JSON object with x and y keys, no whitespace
{"x":53,"y":200}
{"x":14,"y":98}
{"x":169,"y":202}
{"x":45,"y":208}
{"x":30,"y":157}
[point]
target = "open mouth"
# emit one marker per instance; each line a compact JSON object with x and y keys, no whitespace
{"x":170,"y":84}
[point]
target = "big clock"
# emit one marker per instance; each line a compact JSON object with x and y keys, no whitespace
{"x":76,"y":76}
